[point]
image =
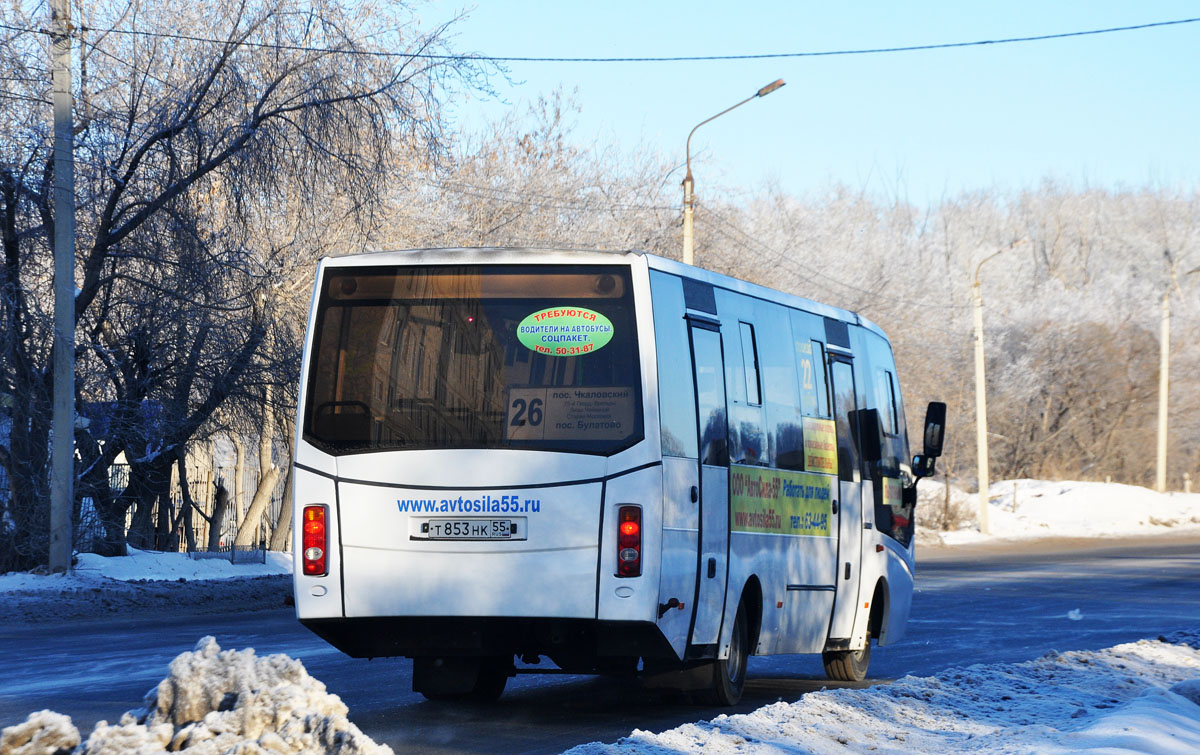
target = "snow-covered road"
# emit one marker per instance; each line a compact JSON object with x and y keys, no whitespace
{"x":981,"y":680}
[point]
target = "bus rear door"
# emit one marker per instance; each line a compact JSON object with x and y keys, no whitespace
{"x":849,"y":507}
{"x":713,"y":552}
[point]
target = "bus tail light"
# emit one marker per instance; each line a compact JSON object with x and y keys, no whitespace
{"x":629,"y":541}
{"x":315,"y":541}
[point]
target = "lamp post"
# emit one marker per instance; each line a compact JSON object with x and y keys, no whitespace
{"x":688,"y":184}
{"x":981,"y":444}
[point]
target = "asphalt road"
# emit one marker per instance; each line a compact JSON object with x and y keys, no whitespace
{"x":984,"y":604}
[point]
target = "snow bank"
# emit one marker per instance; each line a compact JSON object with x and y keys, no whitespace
{"x":145,"y":582}
{"x":1139,"y":697}
{"x":213,"y":702}
{"x":91,"y":569}
{"x":43,"y":733}
{"x":1031,"y":509}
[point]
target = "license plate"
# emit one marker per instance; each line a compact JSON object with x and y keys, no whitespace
{"x":473,"y":529}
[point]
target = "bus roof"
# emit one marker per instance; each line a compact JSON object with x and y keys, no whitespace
{"x":552,"y":255}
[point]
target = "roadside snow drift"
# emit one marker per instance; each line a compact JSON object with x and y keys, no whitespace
{"x":213,"y":702}
{"x":1031,"y":509}
{"x":1138,"y":697}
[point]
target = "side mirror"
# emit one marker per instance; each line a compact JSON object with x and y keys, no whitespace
{"x":935,"y":433}
{"x":923,"y":466}
{"x":935,"y":428}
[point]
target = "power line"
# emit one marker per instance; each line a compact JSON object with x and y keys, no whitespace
{"x":639,"y":59}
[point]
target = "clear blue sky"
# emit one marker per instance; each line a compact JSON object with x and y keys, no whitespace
{"x":1110,"y":110}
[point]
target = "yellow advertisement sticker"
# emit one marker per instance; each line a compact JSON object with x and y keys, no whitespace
{"x":779,"y":502}
{"x":820,"y":445}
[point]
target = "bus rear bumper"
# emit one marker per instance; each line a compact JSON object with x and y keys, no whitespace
{"x":577,"y":645}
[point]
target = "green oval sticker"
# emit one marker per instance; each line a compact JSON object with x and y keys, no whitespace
{"x":565,"y":331}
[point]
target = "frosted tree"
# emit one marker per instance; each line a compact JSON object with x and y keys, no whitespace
{"x":193,"y":153}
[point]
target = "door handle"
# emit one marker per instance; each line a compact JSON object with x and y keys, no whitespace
{"x":712,"y":568}
{"x":835,"y":507}
{"x":695,"y":494}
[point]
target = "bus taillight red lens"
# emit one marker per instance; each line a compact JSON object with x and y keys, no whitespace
{"x":315,"y":541}
{"x":629,"y":541}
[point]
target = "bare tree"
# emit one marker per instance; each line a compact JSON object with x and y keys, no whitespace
{"x":523,"y":182}
{"x":183,"y":146}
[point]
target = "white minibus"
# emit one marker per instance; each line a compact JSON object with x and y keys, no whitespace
{"x":610,"y":462}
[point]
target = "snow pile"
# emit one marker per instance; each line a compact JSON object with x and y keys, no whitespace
{"x":91,"y":569}
{"x":1141,"y":697}
{"x":213,"y":702}
{"x":147,"y":582}
{"x":1030,"y":509}
{"x":942,"y":507}
{"x":43,"y":733}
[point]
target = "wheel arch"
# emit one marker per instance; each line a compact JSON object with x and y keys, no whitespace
{"x":752,"y":596}
{"x":877,"y":624}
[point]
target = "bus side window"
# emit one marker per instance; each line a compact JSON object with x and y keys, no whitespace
{"x":892,"y":405}
{"x":750,"y":364}
{"x":676,"y":395}
{"x":710,"y":397}
{"x":881,"y":402}
{"x":818,"y":351}
{"x":847,"y":407}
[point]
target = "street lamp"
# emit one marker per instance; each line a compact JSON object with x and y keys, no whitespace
{"x":688,"y":184}
{"x":981,"y":444}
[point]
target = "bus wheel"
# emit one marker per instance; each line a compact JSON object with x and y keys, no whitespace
{"x":729,"y":674}
{"x":467,"y":679}
{"x":847,"y":665}
{"x":492,"y":678}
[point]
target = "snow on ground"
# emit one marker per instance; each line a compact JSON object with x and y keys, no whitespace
{"x":1032,"y":509}
{"x":145,"y":581}
{"x":1139,"y":697}
{"x":90,"y":569}
{"x":212,"y":701}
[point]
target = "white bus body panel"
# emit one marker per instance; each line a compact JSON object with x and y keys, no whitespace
{"x":550,"y":574}
{"x":631,"y":598}
{"x":898,"y":571}
{"x":316,"y":597}
{"x":680,"y":538}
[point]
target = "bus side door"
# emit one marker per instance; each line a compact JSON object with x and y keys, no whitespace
{"x":849,"y":509}
{"x":713,"y":552}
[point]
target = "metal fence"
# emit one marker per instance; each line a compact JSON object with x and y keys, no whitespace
{"x":202,"y":486}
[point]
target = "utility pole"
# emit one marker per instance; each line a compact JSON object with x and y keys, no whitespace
{"x":981,"y":445}
{"x":1164,"y":364}
{"x":62,"y":460}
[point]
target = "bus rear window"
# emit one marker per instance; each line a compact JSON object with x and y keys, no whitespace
{"x":541,"y":357}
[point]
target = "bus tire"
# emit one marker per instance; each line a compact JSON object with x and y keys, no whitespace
{"x":492,"y":678}
{"x":462,"y":679}
{"x":847,"y":665}
{"x":729,"y":674}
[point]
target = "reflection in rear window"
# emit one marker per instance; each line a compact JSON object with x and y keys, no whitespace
{"x":542,"y":357}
